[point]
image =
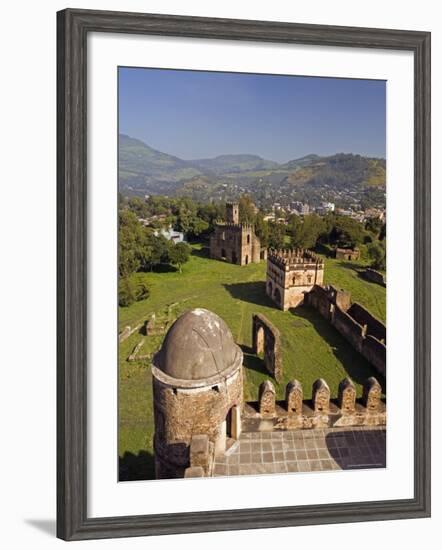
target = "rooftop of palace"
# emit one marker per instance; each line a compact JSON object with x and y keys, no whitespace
{"x":295,"y":256}
{"x":231,"y":225}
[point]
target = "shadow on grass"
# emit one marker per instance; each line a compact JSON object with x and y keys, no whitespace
{"x":203,"y":252}
{"x":324,"y":249}
{"x":252,"y":292}
{"x":356,"y":449}
{"x":252,"y":361}
{"x":353,"y":266}
{"x":136,"y":467}
{"x":160,"y":268}
{"x":356,"y":366}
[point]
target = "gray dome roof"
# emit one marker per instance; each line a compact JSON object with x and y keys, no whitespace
{"x":198,"y":345}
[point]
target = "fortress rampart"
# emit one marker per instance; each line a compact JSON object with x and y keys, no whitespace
{"x":294,"y":413}
{"x":357,"y":325}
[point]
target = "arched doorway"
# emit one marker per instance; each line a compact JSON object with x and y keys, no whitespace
{"x":260,"y":341}
{"x":233,"y":422}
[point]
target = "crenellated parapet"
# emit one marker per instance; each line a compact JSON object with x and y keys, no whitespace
{"x":294,"y":412}
{"x":292,"y":258}
{"x":234,"y":226}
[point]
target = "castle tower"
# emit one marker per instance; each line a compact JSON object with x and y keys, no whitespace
{"x":232,"y":212}
{"x":291,"y":274}
{"x":235,"y":242}
{"x":197,"y":392}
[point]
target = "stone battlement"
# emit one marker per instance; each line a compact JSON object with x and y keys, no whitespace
{"x":235,"y":226}
{"x":294,"y":412}
{"x":293,"y":257}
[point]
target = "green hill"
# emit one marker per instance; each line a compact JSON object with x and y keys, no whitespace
{"x":144,"y":168}
{"x":230,"y":164}
{"x":344,"y":178}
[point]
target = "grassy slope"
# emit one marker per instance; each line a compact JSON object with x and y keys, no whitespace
{"x":311,"y":347}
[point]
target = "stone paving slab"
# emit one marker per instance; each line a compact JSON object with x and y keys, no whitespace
{"x":305,"y":451}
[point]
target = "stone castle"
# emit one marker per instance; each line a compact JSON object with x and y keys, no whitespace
{"x":199,"y":408}
{"x":197,"y":375}
{"x":292,"y":273}
{"x":235,"y":242}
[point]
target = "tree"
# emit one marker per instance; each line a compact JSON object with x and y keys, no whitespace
{"x":179,"y":254}
{"x":262,"y":229}
{"x":276,"y":235}
{"x":383,"y":232}
{"x":246,"y":210}
{"x":377,"y":253}
{"x":159,"y":253}
{"x":130,"y":237}
{"x":305,"y":233}
{"x":346,"y":232}
{"x":374,"y":225}
{"x":130,"y":291}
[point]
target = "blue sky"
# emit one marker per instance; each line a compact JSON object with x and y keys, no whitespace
{"x":192,"y":114}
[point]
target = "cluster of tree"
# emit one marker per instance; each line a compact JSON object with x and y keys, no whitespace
{"x":130,"y":291}
{"x":182,"y":213}
{"x":377,"y":253}
{"x":140,"y":249}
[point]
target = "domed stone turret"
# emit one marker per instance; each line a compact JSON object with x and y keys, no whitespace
{"x":197,"y":390}
{"x":199,"y":345}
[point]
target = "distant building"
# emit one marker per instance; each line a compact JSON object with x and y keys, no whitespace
{"x":292,"y":273}
{"x":300,"y":208}
{"x":171,"y":235}
{"x":351,"y":254}
{"x":375,"y":213}
{"x":236,"y":242}
{"x":343,"y":212}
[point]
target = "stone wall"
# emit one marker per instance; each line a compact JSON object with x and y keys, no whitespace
{"x":266,"y":339}
{"x":290,"y":274}
{"x":235,"y":243}
{"x":351,"y":254}
{"x":365,"y":318}
{"x":357,"y":325}
{"x":181,"y":412}
{"x":294,"y":413}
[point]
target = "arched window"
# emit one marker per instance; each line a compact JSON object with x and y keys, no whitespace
{"x":248,"y":239}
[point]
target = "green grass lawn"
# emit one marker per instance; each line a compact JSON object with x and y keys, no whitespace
{"x":311,"y":347}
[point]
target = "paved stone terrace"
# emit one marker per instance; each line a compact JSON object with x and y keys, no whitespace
{"x":305,"y":451}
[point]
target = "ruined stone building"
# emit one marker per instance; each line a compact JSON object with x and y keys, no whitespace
{"x":236,"y":242}
{"x":292,"y":273}
{"x":199,"y":411}
{"x":350,"y":254}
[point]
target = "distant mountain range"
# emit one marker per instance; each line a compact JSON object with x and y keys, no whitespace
{"x":342,"y":177}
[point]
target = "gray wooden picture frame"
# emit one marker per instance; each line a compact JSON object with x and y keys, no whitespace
{"x":73,"y":27}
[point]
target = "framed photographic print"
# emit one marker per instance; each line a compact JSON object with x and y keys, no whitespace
{"x":226,"y":274}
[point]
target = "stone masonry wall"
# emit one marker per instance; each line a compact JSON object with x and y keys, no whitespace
{"x":266,"y":339}
{"x":181,"y":413}
{"x":235,"y":243}
{"x":294,"y":413}
{"x":363,"y":317}
{"x":357,"y":325}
